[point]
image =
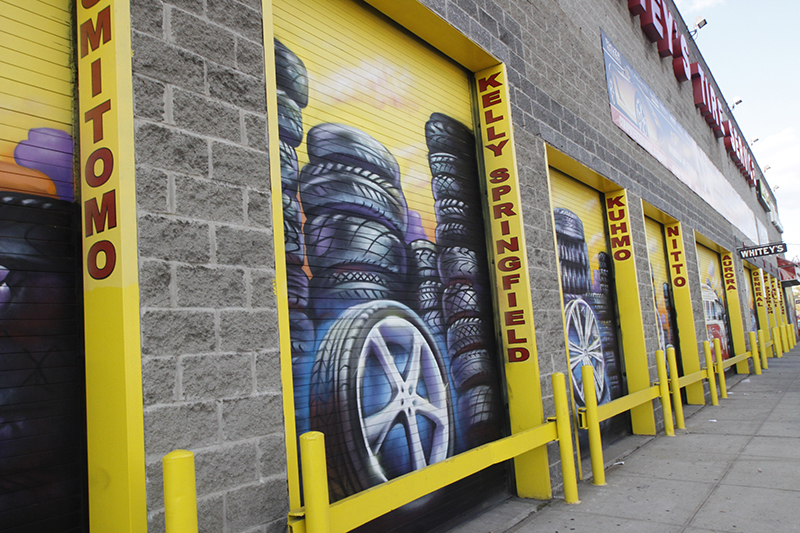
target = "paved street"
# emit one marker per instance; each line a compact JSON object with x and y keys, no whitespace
{"x":734,"y":468}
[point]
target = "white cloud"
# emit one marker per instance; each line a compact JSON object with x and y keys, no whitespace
{"x":693,"y":6}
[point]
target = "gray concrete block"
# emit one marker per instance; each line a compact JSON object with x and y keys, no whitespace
{"x":250,"y":57}
{"x":243,"y":166}
{"x":159,"y":380}
{"x":172,"y":427}
{"x":152,"y":186}
{"x":256,"y":130}
{"x":244,"y":418}
{"x":237,"y":17}
{"x":154,"y":473}
{"x":208,"y":200}
{"x":248,"y":330}
{"x":259,"y":209}
{"x":155,"y":522}
{"x":170,"y":149}
{"x":193,"y":6}
{"x":206,"y":377}
{"x":207,"y":40}
{"x":268,"y":371}
{"x":239,"y":89}
{"x":206,"y":116}
{"x":272,"y":455}
{"x":278,"y":526}
{"x":177,"y":332}
{"x":156,"y":59}
{"x":225,"y":467}
{"x":200,"y":286}
{"x":173,"y":240}
{"x":148,"y":16}
{"x":262,"y":290}
{"x":239,"y":246}
{"x":154,"y":282}
{"x":148,"y":98}
{"x":211,"y":514}
{"x":257,"y":504}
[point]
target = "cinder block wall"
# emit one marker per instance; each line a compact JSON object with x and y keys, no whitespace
{"x":211,"y":372}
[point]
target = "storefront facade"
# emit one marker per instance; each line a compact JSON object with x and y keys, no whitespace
{"x":388,"y":222}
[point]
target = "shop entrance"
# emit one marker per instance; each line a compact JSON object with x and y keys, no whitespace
{"x":42,"y":422}
{"x":714,"y":305}
{"x":393,"y":350}
{"x":587,"y":284}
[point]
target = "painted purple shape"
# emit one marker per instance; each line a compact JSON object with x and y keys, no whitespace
{"x":49,"y":151}
{"x":415,"y":229}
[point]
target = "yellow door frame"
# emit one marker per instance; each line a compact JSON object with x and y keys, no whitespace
{"x":114,"y":419}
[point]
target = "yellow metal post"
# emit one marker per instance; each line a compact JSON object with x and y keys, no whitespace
{"x":180,"y":492}
{"x":785,"y":338}
{"x":565,"y":438}
{"x":663,"y":388}
{"x":754,"y":353}
{"x":762,"y":348}
{"x":712,"y":382}
{"x":315,"y":482}
{"x":593,"y":426}
{"x":677,"y":403}
{"x":723,"y":387}
{"x":794,"y":336}
{"x":776,"y":342}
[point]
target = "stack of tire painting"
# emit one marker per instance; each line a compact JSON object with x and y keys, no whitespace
{"x":463,"y":272}
{"x":292,"y":82}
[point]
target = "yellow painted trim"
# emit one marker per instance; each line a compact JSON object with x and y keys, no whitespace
{"x":759,"y":297}
{"x":682,"y":301}
{"x":771,"y":304}
{"x":434,"y":30}
{"x":115,"y":434}
{"x":626,"y":281}
{"x":578,"y":171}
{"x":512,"y":291}
{"x":734,"y":308}
{"x":281,"y":292}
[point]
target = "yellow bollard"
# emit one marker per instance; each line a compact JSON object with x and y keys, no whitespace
{"x":565,"y":438}
{"x":315,"y":482}
{"x":785,"y":339}
{"x":723,"y":387}
{"x":754,"y":353}
{"x":776,"y":342}
{"x":762,"y":346}
{"x":593,"y":425}
{"x":794,"y":336}
{"x":180,"y":492}
{"x":712,"y":382}
{"x":663,"y":388}
{"x":677,"y":403}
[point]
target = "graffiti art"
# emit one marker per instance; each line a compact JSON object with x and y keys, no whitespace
{"x":393,"y":354}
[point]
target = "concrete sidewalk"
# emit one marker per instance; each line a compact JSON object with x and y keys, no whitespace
{"x":735,"y":467}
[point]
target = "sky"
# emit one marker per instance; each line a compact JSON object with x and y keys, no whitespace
{"x":752,"y":50}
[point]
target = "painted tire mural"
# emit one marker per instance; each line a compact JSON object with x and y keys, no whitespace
{"x":588,"y":314}
{"x":392,"y":335}
{"x":379,"y":392}
{"x":585,"y":348}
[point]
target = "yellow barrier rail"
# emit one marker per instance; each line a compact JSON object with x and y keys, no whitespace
{"x":318,"y":516}
{"x":590,"y":416}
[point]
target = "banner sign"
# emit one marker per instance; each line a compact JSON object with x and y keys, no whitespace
{"x":760,"y":251}
{"x":642,"y":116}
